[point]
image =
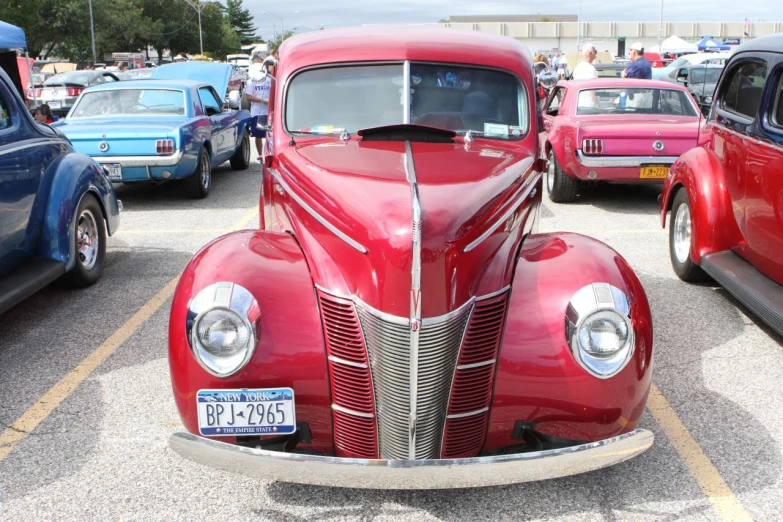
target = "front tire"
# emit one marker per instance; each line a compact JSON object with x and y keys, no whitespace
{"x":681,"y":240}
{"x":197,"y":185}
{"x":241,"y":158}
{"x":89,"y":244}
{"x":560,"y":187}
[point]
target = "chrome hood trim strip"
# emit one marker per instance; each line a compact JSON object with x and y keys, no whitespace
{"x":415,"y":300}
{"x":318,"y":217}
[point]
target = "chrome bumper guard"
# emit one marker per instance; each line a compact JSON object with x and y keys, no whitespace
{"x":168,"y":160}
{"x":412,"y":474}
{"x":622,"y":161}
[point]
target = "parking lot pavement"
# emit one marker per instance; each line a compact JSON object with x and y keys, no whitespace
{"x":102,"y":452}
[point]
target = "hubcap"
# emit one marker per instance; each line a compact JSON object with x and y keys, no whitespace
{"x":205,"y":172}
{"x":550,"y":174}
{"x":87,"y":239}
{"x":682,"y":233}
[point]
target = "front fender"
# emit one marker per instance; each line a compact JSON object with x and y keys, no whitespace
{"x":713,"y":227}
{"x":538,"y":381}
{"x":290,"y":350}
{"x":76,"y":175}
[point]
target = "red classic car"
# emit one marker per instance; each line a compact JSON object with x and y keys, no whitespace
{"x":396,"y":321}
{"x":726,"y":197}
{"x":620,"y":130}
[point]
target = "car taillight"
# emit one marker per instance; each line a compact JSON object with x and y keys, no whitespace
{"x":165,"y":146}
{"x":38,"y":93}
{"x":593,"y":146}
{"x":74,"y":92}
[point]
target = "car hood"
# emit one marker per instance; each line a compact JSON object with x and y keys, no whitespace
{"x":362,"y":189}
{"x":215,"y":74}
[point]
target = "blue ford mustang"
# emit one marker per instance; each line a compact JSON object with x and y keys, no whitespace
{"x":173,"y":126}
{"x":56,"y":206}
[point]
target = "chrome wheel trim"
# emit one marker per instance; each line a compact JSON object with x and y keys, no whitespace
{"x":682,"y":233}
{"x":205,"y":173}
{"x":550,"y":174}
{"x":87,"y":240}
{"x":246,"y":148}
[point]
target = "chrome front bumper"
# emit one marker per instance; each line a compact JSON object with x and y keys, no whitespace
{"x":169,"y":160}
{"x":623,"y":161}
{"x":411,"y":474}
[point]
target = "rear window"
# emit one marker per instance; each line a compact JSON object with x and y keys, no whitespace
{"x":137,"y":102}
{"x":634,"y":101}
{"x":79,"y":78}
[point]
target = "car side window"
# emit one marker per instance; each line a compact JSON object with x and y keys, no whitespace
{"x":555,"y":101}
{"x":211,"y":104}
{"x":776,"y":111}
{"x":743,"y":88}
{"x":5,"y":114}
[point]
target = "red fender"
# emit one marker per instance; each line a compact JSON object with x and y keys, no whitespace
{"x":713,"y":227}
{"x":538,"y":380}
{"x":290,"y":351}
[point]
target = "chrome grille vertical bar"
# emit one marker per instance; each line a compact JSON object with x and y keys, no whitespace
{"x":415,"y":307}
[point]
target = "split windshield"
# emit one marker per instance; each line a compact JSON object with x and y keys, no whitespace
{"x":634,"y":101}
{"x":138,"y":102}
{"x":458,"y":98}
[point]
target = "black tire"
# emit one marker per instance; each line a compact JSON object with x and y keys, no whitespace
{"x":560,"y":187}
{"x":241,"y":158}
{"x":197,"y":185}
{"x":681,"y":238}
{"x":89,"y":244}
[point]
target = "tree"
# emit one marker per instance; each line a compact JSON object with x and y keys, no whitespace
{"x":274,"y":45}
{"x":241,"y":21}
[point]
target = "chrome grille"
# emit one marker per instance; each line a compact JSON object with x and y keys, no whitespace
{"x":388,"y":346}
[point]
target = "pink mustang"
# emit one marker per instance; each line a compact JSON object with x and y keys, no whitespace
{"x":619,"y":130}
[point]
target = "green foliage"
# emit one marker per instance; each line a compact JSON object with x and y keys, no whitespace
{"x":241,"y":21}
{"x":62,"y":27}
{"x":274,"y":45}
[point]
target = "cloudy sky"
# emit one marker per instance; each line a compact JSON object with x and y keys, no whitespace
{"x":312,"y":14}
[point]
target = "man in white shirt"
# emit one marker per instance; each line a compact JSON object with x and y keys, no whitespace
{"x":585,"y":70}
{"x":257,"y":92}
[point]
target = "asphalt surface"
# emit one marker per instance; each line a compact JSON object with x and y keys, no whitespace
{"x":102,"y":453}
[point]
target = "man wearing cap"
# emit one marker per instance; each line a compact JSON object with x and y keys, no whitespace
{"x":585,"y":70}
{"x":640,"y":66}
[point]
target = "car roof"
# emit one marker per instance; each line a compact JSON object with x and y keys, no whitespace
{"x":771,"y":42}
{"x":417,"y":43}
{"x":150,"y":84}
{"x":604,"y":83}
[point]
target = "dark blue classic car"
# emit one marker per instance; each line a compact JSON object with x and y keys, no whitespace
{"x":56,"y":206}
{"x":172,"y":126}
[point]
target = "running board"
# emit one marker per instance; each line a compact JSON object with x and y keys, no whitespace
{"x":752,"y":288}
{"x":24,"y":281}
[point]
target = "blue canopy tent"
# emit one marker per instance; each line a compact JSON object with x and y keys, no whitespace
{"x":708,"y":43}
{"x":11,"y":39}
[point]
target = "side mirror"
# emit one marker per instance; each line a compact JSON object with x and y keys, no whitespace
{"x":234,"y":98}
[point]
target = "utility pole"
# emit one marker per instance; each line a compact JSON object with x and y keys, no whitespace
{"x":92,"y":31}
{"x":198,"y":6}
{"x":579,"y":27}
{"x":660,"y":31}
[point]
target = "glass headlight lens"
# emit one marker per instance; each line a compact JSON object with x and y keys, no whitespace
{"x":602,"y":334}
{"x":222,"y":333}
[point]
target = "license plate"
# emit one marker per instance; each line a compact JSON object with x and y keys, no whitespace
{"x":246,"y":412}
{"x":54,"y":104}
{"x":654,"y":172}
{"x":114,"y":170}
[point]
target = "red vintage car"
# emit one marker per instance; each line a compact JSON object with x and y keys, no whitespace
{"x":396,"y":321}
{"x":726,"y":197}
{"x":616,"y":130}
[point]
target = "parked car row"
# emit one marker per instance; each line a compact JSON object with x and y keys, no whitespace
{"x":396,"y":321}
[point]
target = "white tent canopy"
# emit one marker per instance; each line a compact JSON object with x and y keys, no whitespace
{"x":675,"y":44}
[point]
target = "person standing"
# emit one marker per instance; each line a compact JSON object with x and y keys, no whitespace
{"x":640,"y":66}
{"x":257,"y":92}
{"x":585,"y":70}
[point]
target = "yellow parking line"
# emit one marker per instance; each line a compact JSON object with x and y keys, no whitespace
{"x":706,"y":474}
{"x":39,"y":411}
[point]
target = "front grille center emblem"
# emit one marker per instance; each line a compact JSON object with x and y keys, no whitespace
{"x":658,"y":146}
{"x":103,"y":146}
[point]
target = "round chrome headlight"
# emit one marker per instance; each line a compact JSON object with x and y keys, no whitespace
{"x":599,"y":330}
{"x":221,"y":328}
